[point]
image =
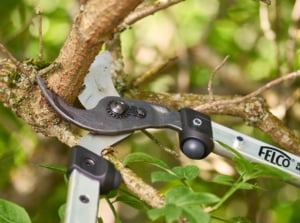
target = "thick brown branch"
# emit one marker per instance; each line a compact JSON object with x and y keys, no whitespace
{"x":18,"y":93}
{"x":91,"y":28}
{"x":143,"y":190}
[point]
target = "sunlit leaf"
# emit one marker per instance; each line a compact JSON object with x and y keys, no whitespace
{"x":170,"y":212}
{"x":223,"y":179}
{"x":189,"y":172}
{"x":248,"y":186}
{"x":268,"y":2}
{"x":12,"y":213}
{"x":61,"y":211}
{"x":145,"y":158}
{"x":132,"y":201}
{"x":55,"y":168}
{"x":183,"y":196}
{"x":162,"y":176}
{"x":240,"y":220}
{"x":263,"y":170}
{"x":196,"y":215}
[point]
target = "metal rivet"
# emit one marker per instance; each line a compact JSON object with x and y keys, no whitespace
{"x":89,"y":162}
{"x":197,"y":122}
{"x":84,"y":199}
{"x":238,"y":142}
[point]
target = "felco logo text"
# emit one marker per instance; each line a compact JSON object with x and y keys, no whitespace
{"x":274,"y":156}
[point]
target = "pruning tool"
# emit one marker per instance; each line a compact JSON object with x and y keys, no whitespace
{"x":110,"y":118}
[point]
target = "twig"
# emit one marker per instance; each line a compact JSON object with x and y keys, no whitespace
{"x":40,"y":30}
{"x":142,"y":12}
{"x":152,"y":73}
{"x":159,"y":144}
{"x":7,"y":54}
{"x":212,"y":77}
{"x":144,"y":191}
{"x":265,"y":22}
{"x":293,"y":32}
{"x":253,"y":94}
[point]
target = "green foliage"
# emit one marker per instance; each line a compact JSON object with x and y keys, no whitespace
{"x":12,"y":213}
{"x":145,"y":158}
{"x":216,"y":27}
{"x":132,"y":201}
{"x":16,"y":139}
{"x":182,"y":201}
{"x":56,"y":168}
{"x":61,"y":211}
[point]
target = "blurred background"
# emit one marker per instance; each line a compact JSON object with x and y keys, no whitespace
{"x":191,"y":39}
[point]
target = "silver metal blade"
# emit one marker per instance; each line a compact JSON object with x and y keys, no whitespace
{"x":97,"y":85}
{"x":98,"y":82}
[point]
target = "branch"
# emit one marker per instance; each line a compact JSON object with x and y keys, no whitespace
{"x":91,"y":29}
{"x":8,"y":55}
{"x":146,"y":10}
{"x":135,"y":184}
{"x":152,"y":73}
{"x":253,"y":110}
{"x":231,"y":74}
{"x":212,"y":76}
{"x":252,"y":94}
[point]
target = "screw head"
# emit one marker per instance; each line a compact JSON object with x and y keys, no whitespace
{"x":141,"y":113}
{"x":118,"y":107}
{"x":197,"y":122}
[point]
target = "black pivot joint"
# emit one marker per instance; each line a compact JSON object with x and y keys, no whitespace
{"x":196,"y":135}
{"x":94,"y":167}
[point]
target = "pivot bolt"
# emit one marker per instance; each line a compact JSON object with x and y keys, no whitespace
{"x":118,"y":107}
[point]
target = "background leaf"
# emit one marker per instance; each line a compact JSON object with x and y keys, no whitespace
{"x":161,"y":176}
{"x":12,"y":213}
{"x":132,"y":201}
{"x":170,"y":213}
{"x":196,"y":215}
{"x":188,"y":172}
{"x":145,"y":158}
{"x":183,"y":196}
{"x":61,"y":211}
{"x":223,"y":179}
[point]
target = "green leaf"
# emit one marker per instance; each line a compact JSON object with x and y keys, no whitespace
{"x":263,"y":170}
{"x":196,"y":215}
{"x":244,"y":167}
{"x":223,"y":179}
{"x":240,"y":220}
{"x":183,"y":196}
{"x":170,"y":212}
{"x":161,"y":176}
{"x":189,"y":172}
{"x":268,"y":2}
{"x":55,"y":168}
{"x":132,"y":201}
{"x":61,"y":211}
{"x":248,"y":186}
{"x":145,"y":158}
{"x":112,"y":193}
{"x":12,"y":213}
